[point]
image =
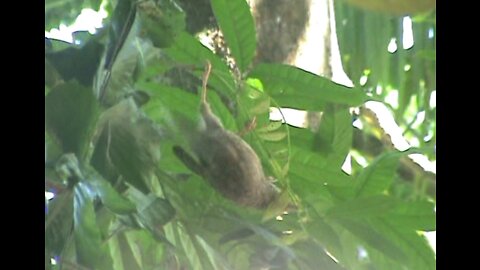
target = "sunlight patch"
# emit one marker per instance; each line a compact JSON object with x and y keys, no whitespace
{"x":407,"y":33}
{"x":88,"y":20}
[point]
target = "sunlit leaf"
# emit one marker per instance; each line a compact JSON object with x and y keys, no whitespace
{"x":379,"y":175}
{"x":273,"y":136}
{"x":295,"y":88}
{"x":236,"y":23}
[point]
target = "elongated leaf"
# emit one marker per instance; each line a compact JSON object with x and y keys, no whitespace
{"x":272,"y":126}
{"x":378,"y":176}
{"x":297,"y":88}
{"x":109,"y":196}
{"x":150,"y":253}
{"x":334,"y":138}
{"x":128,"y":144}
{"x":156,"y":214}
{"x":153,"y":211}
{"x":367,"y":207}
{"x":221,"y":111}
{"x":165,"y":99}
{"x":189,"y":51}
{"x":374,"y":239}
{"x":236,"y":23}
{"x":71,"y":111}
{"x":324,"y":233}
{"x":415,"y":246}
{"x":254,"y":107}
{"x":126,"y":259}
{"x":91,"y":252}
{"x":312,"y":167}
{"x":273,"y":136}
{"x":196,"y":254}
{"x":414,"y":215}
{"x":217,"y":259}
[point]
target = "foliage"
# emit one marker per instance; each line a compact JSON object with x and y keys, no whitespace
{"x":123,"y":200}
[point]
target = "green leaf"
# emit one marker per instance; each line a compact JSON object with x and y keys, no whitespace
{"x":373,"y":238}
{"x":221,"y":111}
{"x":427,"y":54}
{"x":296,"y":88}
{"x":128,"y":144}
{"x":152,"y":253}
{"x":153,"y":212}
{"x":117,"y":81}
{"x":272,"y":126}
{"x":311,"y":255}
{"x":236,"y":23}
{"x":253,"y":104}
{"x":415,"y":246}
{"x":367,"y":207}
{"x":312,"y":168}
{"x":91,"y":252}
{"x":273,"y":136}
{"x":109,"y":196}
{"x":76,"y":62}
{"x":179,"y":111}
{"x":194,"y":253}
{"x":378,"y":176}
{"x":217,"y":259}
{"x":334,"y":137}
{"x":59,"y":221}
{"x":165,"y":101}
{"x":157,"y":213}
{"x":189,"y":51}
{"x":311,"y":158}
{"x":418,"y":216}
{"x":323,"y":232}
{"x":71,"y":111}
{"x":161,"y":22}
{"x":122,"y":252}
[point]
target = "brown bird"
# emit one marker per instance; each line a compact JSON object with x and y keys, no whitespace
{"x":226,"y":161}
